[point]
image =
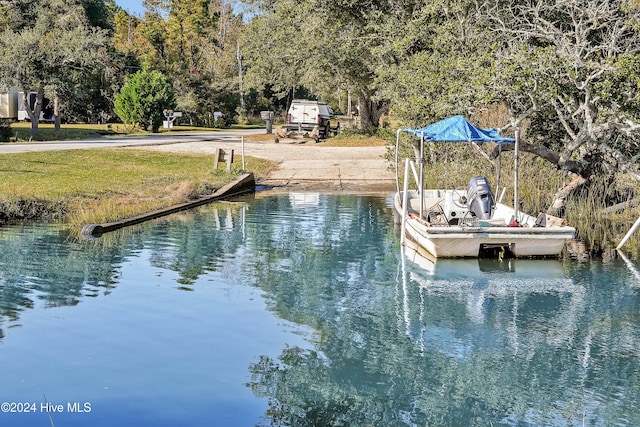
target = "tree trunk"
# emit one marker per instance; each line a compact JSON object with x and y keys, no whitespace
{"x":572,"y":166}
{"x":621,"y":207}
{"x":240,"y":78}
{"x":559,"y":204}
{"x":34,"y":115}
{"x":371,"y":111}
{"x":56,"y":114}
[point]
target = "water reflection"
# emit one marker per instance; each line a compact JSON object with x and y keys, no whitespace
{"x":462,"y":342}
{"x":39,"y":267}
{"x":397,"y":339}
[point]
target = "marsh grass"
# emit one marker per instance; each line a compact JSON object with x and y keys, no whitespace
{"x":104,"y":185}
{"x":601,"y":231}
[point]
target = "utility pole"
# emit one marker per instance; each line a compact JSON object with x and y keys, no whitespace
{"x":240,"y":78}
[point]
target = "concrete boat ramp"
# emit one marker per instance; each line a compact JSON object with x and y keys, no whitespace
{"x":308,"y":166}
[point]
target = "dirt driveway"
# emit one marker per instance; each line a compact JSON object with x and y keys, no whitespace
{"x":309,"y":166}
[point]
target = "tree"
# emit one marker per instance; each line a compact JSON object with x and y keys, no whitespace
{"x":44,"y":45}
{"x":565,"y":71}
{"x":324,"y":47}
{"x":442,"y":61}
{"x":577,"y":67}
{"x":143,"y":98}
{"x":193,"y":42}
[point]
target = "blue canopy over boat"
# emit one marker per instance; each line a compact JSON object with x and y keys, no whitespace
{"x":458,"y":129}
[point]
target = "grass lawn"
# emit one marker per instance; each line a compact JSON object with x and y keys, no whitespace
{"x":103,"y":185}
{"x":46,"y":131}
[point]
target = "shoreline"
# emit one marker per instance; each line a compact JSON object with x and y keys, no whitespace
{"x":27,"y":197}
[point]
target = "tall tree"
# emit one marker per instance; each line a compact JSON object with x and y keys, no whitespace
{"x":566,"y":71}
{"x":48,"y":43}
{"x":321,"y":46}
{"x":442,"y":61}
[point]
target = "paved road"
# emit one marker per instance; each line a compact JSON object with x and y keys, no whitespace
{"x":127,"y":141}
{"x":307,"y":166}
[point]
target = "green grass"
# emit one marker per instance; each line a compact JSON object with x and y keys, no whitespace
{"x":102,"y":185}
{"x":46,"y":131}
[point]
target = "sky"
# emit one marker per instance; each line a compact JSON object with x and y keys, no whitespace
{"x":134,"y":7}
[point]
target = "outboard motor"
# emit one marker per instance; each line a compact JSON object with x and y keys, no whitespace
{"x":481,"y":202}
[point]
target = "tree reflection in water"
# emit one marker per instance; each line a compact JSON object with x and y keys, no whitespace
{"x":455,"y":343}
{"x":398,"y":340}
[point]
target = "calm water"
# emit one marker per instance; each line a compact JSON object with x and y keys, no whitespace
{"x":300,"y":310}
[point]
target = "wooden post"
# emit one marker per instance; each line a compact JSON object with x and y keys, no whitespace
{"x":219,"y":157}
{"x":229,"y":161}
{"x":223,"y":156}
{"x":243,"y":152}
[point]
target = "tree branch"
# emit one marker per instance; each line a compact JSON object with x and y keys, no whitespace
{"x":545,"y":153}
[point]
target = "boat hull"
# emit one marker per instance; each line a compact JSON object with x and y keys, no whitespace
{"x":453,"y":241}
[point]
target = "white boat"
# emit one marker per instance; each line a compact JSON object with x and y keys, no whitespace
{"x":468,"y":222}
{"x":450,"y":231}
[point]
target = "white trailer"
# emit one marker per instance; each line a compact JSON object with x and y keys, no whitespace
{"x":46,"y":114}
{"x":9,"y":105}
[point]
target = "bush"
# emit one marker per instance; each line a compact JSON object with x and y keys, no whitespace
{"x":6,"y":132}
{"x":143,"y":98}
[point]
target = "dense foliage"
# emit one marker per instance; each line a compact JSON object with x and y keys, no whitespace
{"x":49,"y":46}
{"x":565,"y":73}
{"x":143,"y":98}
{"x":6,"y":133}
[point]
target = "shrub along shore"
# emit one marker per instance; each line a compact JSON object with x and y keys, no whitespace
{"x":78,"y":187}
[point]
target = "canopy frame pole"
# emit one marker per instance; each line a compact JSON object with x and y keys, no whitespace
{"x":515,"y":173}
{"x":415,"y":173}
{"x":421,"y":183}
{"x":499,"y":167}
{"x":405,"y":200}
{"x":397,"y":148}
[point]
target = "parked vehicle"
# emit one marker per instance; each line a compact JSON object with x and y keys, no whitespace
{"x":46,"y":115}
{"x":306,"y":117}
{"x":12,"y":106}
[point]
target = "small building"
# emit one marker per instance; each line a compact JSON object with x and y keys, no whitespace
{"x":46,"y":114}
